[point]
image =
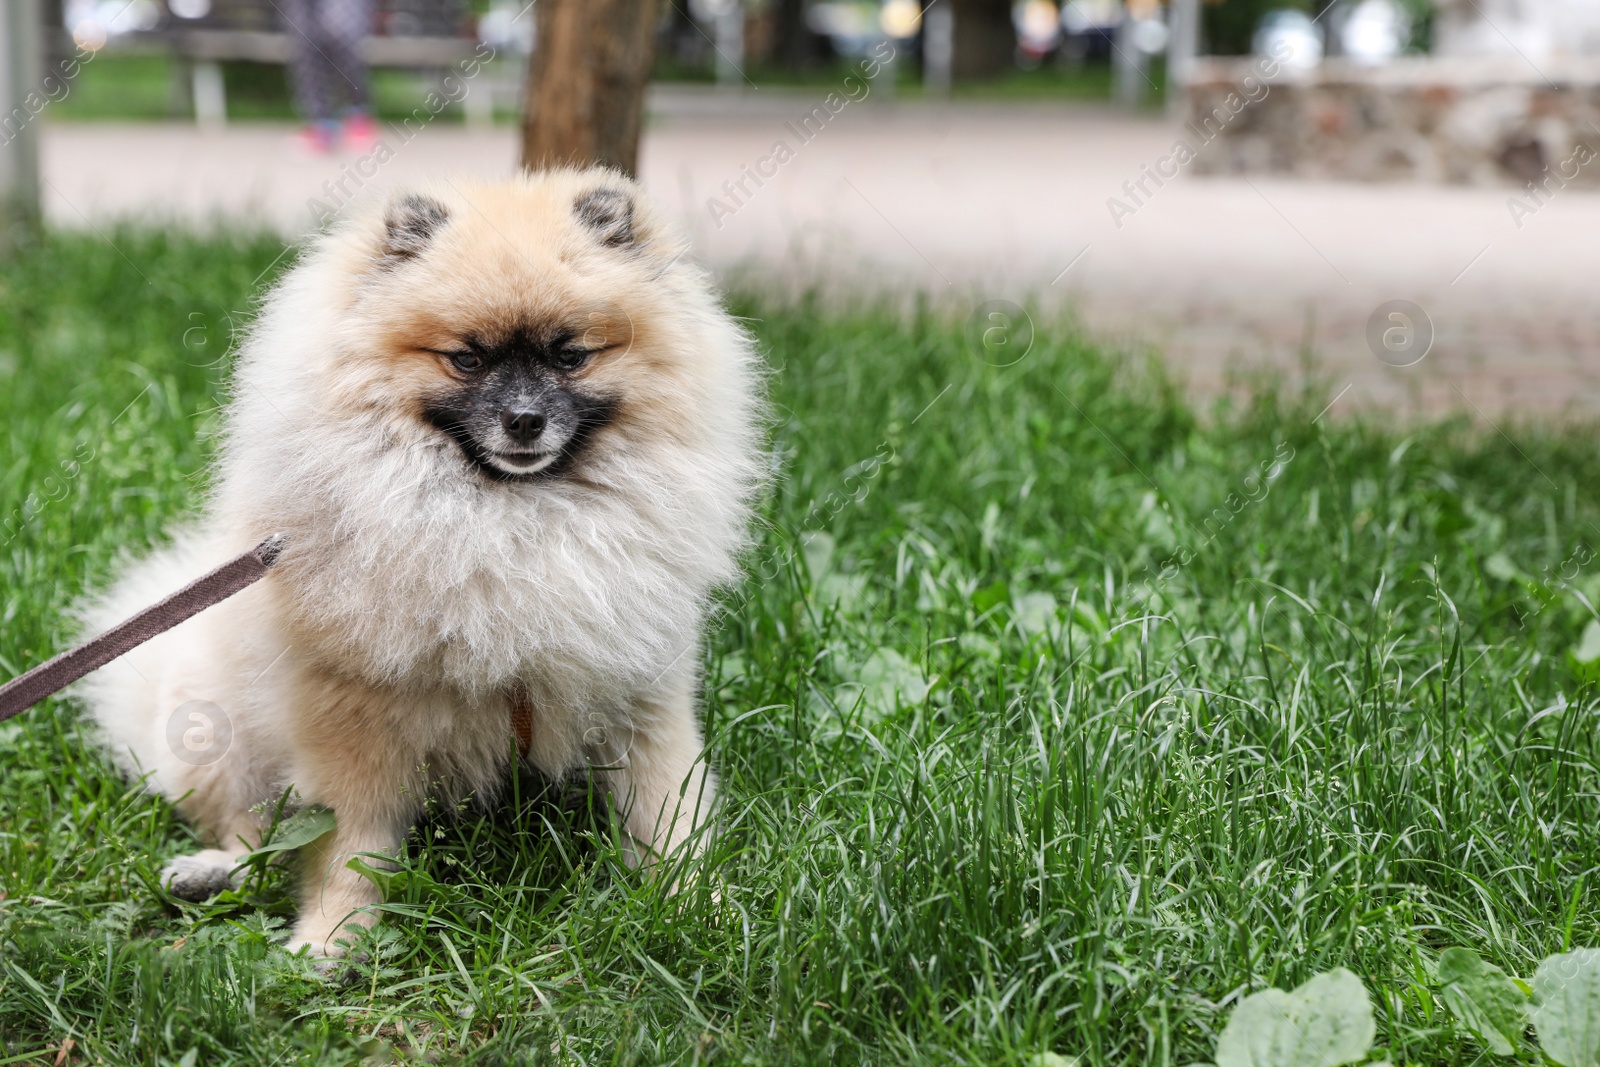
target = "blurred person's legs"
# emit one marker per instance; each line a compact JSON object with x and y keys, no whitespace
{"x":326,"y":67}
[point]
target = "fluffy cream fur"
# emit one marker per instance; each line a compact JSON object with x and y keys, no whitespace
{"x":372,"y":667}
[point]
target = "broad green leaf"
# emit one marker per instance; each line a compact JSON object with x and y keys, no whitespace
{"x":989,"y":596}
{"x":840,"y":590}
{"x":1052,"y":1059}
{"x":883,"y":683}
{"x":733,"y":666}
{"x":1566,"y":1007}
{"x":297,"y":831}
{"x":1036,"y":612}
{"x":978,"y":645}
{"x":1324,"y":1023}
{"x":1485,"y":1000}
{"x":386,"y":881}
{"x":393,"y":880}
{"x":1499,"y":565}
{"x":1588,"y":649}
{"x":817,"y":549}
{"x":888,"y":676}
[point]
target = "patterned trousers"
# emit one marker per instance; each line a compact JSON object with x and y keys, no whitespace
{"x":325,"y":53}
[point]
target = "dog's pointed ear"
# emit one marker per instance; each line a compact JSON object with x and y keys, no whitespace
{"x":608,"y":214}
{"x":410,"y":225}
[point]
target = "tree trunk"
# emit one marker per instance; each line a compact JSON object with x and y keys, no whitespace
{"x":586,"y":81}
{"x":985,"y":43}
{"x":22,"y":97}
{"x":797,"y":48}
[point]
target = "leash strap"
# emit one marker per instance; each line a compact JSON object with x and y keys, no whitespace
{"x":26,"y":690}
{"x":522,"y":719}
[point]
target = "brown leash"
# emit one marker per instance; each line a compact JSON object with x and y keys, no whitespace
{"x":26,"y":690}
{"x":522,"y":719}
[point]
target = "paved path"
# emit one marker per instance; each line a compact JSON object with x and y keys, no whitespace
{"x":981,"y":202}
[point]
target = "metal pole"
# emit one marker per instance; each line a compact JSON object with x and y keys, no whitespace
{"x":1128,"y":63}
{"x":938,"y":48}
{"x":1182,"y":48}
{"x":729,"y":32}
{"x":22,"y":98}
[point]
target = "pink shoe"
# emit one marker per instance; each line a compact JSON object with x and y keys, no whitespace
{"x":360,"y":132}
{"x":318,"y":139}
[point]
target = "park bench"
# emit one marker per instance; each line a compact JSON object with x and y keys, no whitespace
{"x":409,"y":34}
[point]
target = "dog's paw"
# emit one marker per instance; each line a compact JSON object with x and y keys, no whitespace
{"x":316,"y":948}
{"x":330,"y":966}
{"x":331,"y":962}
{"x":199,"y":876}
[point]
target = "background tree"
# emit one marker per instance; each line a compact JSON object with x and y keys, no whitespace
{"x":985,"y":43}
{"x":586,"y":81}
{"x":21,"y":98}
{"x":795,"y":47}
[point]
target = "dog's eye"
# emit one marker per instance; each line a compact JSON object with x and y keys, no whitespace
{"x":570,"y":358}
{"x":467,"y":361}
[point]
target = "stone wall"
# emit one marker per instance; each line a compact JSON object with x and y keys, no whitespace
{"x":1476,"y":121}
{"x":1531,"y":29}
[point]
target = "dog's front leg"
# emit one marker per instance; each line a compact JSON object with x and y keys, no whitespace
{"x":335,"y":901}
{"x":355,"y":763}
{"x":659,"y":783}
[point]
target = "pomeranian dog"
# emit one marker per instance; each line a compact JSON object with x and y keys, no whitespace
{"x":512,"y":439}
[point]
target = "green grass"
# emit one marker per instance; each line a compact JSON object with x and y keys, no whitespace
{"x":141,"y":87}
{"x":1348,"y":731}
{"x":124,"y":87}
{"x":1049,"y":81}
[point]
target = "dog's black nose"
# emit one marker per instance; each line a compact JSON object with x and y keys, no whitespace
{"x":522,"y":425}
